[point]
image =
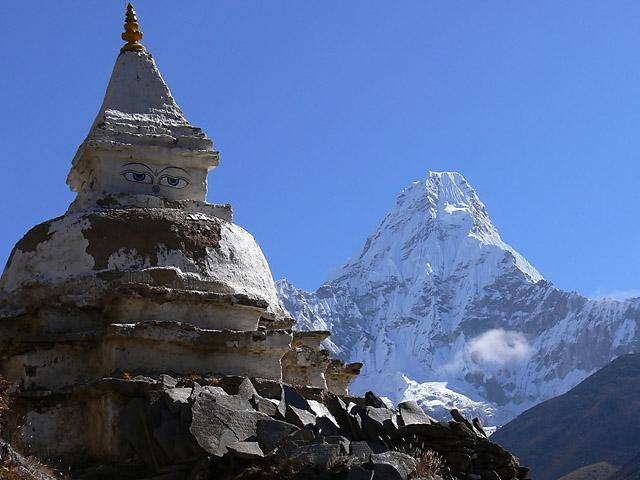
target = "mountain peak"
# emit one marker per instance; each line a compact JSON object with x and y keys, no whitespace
{"x":437,"y":226}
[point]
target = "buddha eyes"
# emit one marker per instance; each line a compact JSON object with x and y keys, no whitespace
{"x":165,"y":180}
{"x":137,"y":177}
{"x":175,"y":182}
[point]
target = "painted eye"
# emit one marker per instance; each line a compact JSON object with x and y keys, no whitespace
{"x":137,"y":177}
{"x":174,"y":182}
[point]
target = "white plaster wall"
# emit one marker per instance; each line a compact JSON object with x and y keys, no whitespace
{"x":238,"y":263}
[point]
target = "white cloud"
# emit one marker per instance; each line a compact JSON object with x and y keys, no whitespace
{"x":499,"y":347}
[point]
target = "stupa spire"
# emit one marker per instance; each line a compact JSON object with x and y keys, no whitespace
{"x":132,"y":34}
{"x":140,"y":142}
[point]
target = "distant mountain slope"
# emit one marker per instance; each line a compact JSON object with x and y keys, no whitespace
{"x":597,"y":471}
{"x":440,"y":309}
{"x":629,"y":471}
{"x":596,"y":421}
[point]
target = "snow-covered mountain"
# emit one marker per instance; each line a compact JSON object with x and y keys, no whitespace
{"x":440,"y":309}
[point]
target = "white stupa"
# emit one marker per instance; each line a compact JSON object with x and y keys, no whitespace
{"x":140,"y":276}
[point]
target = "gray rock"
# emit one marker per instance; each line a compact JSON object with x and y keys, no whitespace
{"x":246,"y":450}
{"x":464,"y":429}
{"x":246,"y":390}
{"x":176,"y":398}
{"x":197,"y":390}
{"x":168,"y":381}
{"x":392,"y":466}
{"x":305,"y":435}
{"x":373,"y":400}
{"x":215,"y":426}
{"x":291,"y":398}
{"x":410,"y":413}
{"x":271,"y":433}
{"x":320,"y":455}
{"x":267,"y":388}
{"x":377,"y":422}
{"x":300,"y":418}
{"x":457,"y":416}
{"x":232,"y":402}
{"x":439,"y":432}
{"x":362,"y":449}
{"x":265,"y":406}
{"x":325,"y":426}
{"x":477,"y":424}
{"x":342,"y":442}
{"x":214,"y":390}
{"x":349,"y":425}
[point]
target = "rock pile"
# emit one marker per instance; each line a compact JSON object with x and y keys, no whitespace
{"x":250,"y":428}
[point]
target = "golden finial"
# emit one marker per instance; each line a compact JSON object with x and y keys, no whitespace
{"x":132,"y":34}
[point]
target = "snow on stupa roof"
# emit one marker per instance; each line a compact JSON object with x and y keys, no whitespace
{"x":139,"y":111}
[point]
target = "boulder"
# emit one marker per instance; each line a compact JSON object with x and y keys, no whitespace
{"x":232,"y":402}
{"x":377,"y":422}
{"x":168,"y":381}
{"x":457,"y":416}
{"x":271,"y":433}
{"x":342,"y":442}
{"x":349,"y":426}
{"x":215,"y":426}
{"x":373,"y":400}
{"x":246,"y":390}
{"x":246,"y":450}
{"x":325,"y":426}
{"x":362,"y":449}
{"x":393,"y":466}
{"x":265,"y":406}
{"x":478,"y":426}
{"x":464,"y":430}
{"x":291,"y":398}
{"x":267,"y":388}
{"x":305,"y":435}
{"x":434,"y":432}
{"x":320,"y":455}
{"x":411,"y":413}
{"x":176,"y":398}
{"x":299,"y":417}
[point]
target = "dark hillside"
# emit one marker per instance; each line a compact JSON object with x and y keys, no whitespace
{"x":596,"y":421}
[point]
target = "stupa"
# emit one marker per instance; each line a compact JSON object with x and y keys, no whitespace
{"x":141,"y":276}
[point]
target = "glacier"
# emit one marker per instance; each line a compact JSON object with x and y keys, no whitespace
{"x":442,"y":311}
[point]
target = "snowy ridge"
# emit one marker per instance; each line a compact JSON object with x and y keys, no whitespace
{"x":441,"y":309}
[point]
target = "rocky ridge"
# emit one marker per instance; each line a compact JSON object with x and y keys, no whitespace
{"x":441,"y":310}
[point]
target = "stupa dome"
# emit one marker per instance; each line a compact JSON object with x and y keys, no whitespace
{"x":105,"y":248}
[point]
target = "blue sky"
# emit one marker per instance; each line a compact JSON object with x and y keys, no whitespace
{"x":324,"y":110}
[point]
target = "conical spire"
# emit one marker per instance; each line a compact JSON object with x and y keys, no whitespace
{"x":132,"y":34}
{"x":139,"y":119}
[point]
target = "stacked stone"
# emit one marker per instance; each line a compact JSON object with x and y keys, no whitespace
{"x":245,"y":428}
